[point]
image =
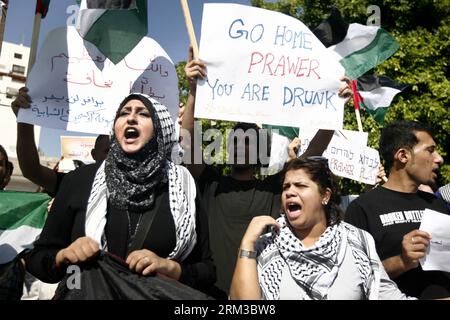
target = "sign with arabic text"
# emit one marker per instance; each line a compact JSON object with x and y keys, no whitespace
{"x":77,"y":148}
{"x":75,"y":87}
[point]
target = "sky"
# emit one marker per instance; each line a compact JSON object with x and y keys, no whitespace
{"x":166,"y":26}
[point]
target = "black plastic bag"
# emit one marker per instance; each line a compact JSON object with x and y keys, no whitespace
{"x":12,"y":277}
{"x":108,"y":278}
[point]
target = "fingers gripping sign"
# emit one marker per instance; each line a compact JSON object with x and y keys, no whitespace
{"x":22,"y":100}
{"x":194,"y":69}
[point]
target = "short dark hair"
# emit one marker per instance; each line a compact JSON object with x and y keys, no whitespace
{"x":397,"y":135}
{"x":10,"y":168}
{"x":2,"y":150}
{"x":99,"y":139}
{"x":319,"y":172}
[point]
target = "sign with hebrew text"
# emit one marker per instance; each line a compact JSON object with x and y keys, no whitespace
{"x":349,"y":160}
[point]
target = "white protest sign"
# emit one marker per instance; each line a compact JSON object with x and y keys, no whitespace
{"x":280,"y":144}
{"x":77,"y":148}
{"x":353,"y":161}
{"x":278,"y":152}
{"x":356,"y":137}
{"x":74,"y":87}
{"x":266,"y":67}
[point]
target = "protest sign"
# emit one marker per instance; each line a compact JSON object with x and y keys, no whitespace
{"x":280,"y":144}
{"x":77,"y":148}
{"x":349,"y":160}
{"x":266,"y":67}
{"x":74,"y":87}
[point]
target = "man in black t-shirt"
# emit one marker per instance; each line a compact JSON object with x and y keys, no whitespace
{"x":392,"y":213}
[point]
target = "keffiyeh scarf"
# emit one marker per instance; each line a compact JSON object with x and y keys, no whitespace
{"x":314,"y":269}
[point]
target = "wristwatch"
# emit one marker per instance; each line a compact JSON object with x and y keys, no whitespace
{"x":247,"y":254}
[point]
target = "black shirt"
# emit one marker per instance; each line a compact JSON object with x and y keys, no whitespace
{"x":66,"y":221}
{"x":231,"y":204}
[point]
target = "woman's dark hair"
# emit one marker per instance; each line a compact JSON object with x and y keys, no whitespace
{"x":147,"y":103}
{"x":319,"y":172}
{"x":2,"y":150}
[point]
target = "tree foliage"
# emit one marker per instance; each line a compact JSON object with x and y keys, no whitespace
{"x":422,"y":28}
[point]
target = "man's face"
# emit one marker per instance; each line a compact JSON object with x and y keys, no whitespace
{"x":244,"y":151}
{"x":4,"y":171}
{"x":425,"y":160}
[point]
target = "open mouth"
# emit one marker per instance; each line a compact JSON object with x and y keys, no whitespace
{"x":293,"y":210}
{"x":131,"y":134}
{"x":435,"y":172}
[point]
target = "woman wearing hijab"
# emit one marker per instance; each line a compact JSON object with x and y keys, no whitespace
{"x":311,"y":253}
{"x":102,"y":206}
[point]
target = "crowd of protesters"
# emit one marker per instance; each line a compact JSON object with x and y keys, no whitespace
{"x":238,"y":236}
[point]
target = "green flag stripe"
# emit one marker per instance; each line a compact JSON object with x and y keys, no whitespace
{"x":288,"y":132}
{"x":22,"y":208}
{"x":117,"y":32}
{"x":377,"y":114}
{"x":361,"y":61}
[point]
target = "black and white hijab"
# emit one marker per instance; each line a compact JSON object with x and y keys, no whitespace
{"x":314,"y":269}
{"x":129,"y":181}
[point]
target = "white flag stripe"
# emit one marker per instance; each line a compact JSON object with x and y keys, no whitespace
{"x":14,"y":241}
{"x":88,"y":17}
{"x":379,"y":97}
{"x":358,"y":37}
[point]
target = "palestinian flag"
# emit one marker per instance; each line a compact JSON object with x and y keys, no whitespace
{"x":22,"y":217}
{"x":359,"y":48}
{"x":114,"y":27}
{"x":377,"y":93}
{"x":42,"y":7}
{"x":288,"y":132}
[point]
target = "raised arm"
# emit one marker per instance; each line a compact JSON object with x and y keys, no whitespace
{"x":191,"y":138}
{"x":322,"y":139}
{"x":319,"y":143}
{"x":27,"y":153}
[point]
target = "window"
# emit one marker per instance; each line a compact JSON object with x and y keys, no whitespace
{"x":17,"y":56}
{"x":18,"y":69}
{"x":11,"y":92}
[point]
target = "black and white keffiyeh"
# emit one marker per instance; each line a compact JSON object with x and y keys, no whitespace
{"x":130,"y":181}
{"x":314,"y":269}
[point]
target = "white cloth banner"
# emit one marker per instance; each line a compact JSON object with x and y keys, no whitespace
{"x":74,"y":87}
{"x":266,"y":67}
